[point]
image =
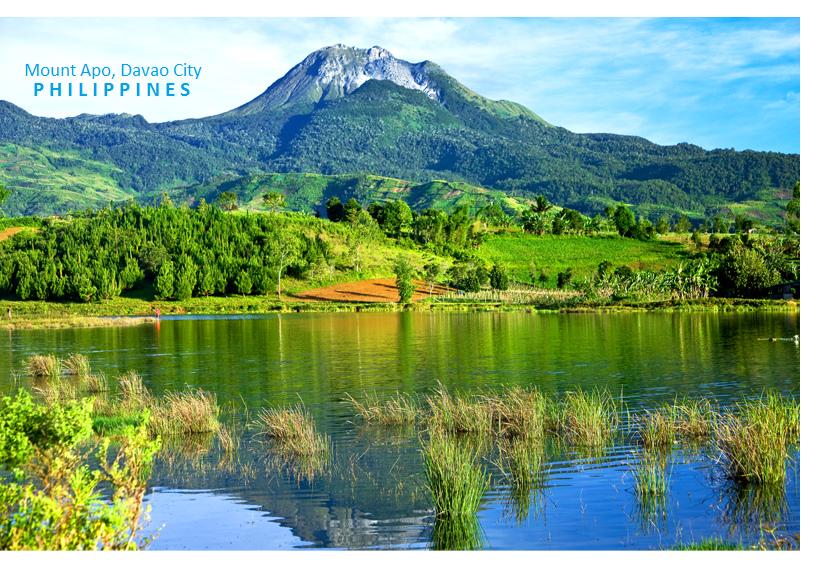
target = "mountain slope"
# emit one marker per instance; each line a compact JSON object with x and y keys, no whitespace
{"x":352,"y":111}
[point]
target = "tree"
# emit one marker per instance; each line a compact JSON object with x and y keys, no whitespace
{"x":165,"y":281}
{"x":564,"y":278}
{"x":624,"y":220}
{"x":352,"y":211}
{"x":662,"y":226}
{"x":744,"y":272}
{"x":683,"y":225}
{"x":228,"y":201}
{"x":285,"y":247}
{"x":792,"y":222}
{"x":334,"y":209}
{"x":432,"y":273}
{"x":498,"y":277}
{"x":541,"y":205}
{"x":405,"y":284}
{"x":243,"y":283}
{"x":185,"y":278}
{"x":396,"y":218}
{"x":274,"y":200}
{"x":742,"y":224}
{"x":533,"y":222}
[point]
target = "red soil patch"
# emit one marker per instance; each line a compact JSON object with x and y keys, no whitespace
{"x":380,"y":290}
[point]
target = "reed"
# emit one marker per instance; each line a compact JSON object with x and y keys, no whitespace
{"x":522,"y":412}
{"x":694,"y":419}
{"x":463,"y":414}
{"x":44,"y":366}
{"x":753,"y":448}
{"x":454,"y":478}
{"x":293,"y":430}
{"x":96,"y":383}
{"x":398,"y":410}
{"x":184,"y":413}
{"x":522,"y":460}
{"x":773,"y":407}
{"x":657,"y":429}
{"x":649,"y":472}
{"x":588,"y":418}
{"x":133,"y":394}
{"x":77,"y":365}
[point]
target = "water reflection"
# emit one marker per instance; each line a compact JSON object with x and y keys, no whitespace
{"x":371,"y":493}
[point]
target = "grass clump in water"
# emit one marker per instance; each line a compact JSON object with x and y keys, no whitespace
{"x":44,"y":366}
{"x":649,"y":472}
{"x":522,"y":460}
{"x":293,"y":429}
{"x":455,"y":480}
{"x":588,"y":418}
{"x":656,"y":429}
{"x":133,"y":394}
{"x":77,"y":365}
{"x":773,"y":407}
{"x":694,"y":419}
{"x":522,"y":412}
{"x":184,"y":413}
{"x":398,"y":410}
{"x":458,"y":414}
{"x":300,"y":449}
{"x":752,"y":451}
{"x":753,"y":441}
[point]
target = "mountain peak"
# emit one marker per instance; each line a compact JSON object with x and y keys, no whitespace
{"x":336,"y":71}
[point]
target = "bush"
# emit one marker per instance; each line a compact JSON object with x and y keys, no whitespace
{"x":55,"y":500}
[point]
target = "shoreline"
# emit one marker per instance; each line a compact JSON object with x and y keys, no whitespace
{"x":131,"y":312}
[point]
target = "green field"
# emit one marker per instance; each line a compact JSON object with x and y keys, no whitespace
{"x":520,"y":252}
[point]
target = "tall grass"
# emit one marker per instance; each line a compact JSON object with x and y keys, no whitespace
{"x":657,"y":429}
{"x":454,"y":478}
{"x":184,"y":413}
{"x":397,"y":410}
{"x":77,"y":365}
{"x":694,"y":419}
{"x":461,"y":414}
{"x":300,"y":449}
{"x":44,"y":366}
{"x":522,"y":460}
{"x":588,"y":417}
{"x":753,"y":450}
{"x":649,"y":472}
{"x":753,"y":442}
{"x":293,"y":429}
{"x":522,"y":412}
{"x":773,"y":407}
{"x":133,"y":394}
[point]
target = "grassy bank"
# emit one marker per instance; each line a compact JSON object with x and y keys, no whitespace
{"x":132,"y":311}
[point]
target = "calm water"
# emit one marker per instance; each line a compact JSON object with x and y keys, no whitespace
{"x":371,"y":494}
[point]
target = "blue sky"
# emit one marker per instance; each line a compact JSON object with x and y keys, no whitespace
{"x":712,"y":82}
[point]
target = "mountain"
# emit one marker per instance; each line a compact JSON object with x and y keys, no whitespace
{"x":344,"y":110}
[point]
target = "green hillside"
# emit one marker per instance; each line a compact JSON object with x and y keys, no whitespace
{"x":44,"y":181}
{"x":308,"y":192}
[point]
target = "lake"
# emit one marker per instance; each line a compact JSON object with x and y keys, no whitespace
{"x":371,"y":494}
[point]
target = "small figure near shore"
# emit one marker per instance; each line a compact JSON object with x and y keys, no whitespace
{"x":9,"y":313}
